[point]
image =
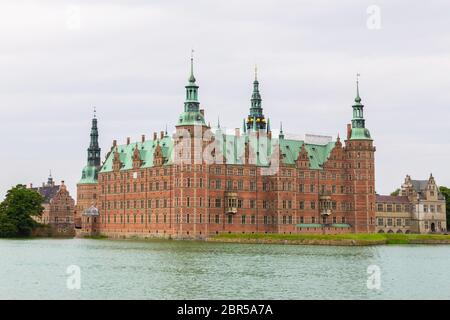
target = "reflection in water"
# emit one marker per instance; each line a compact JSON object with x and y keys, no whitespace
{"x":36,"y":269}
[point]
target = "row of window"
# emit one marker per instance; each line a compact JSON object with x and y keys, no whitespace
{"x":229,"y":219}
{"x":55,"y":219}
{"x":217,"y":203}
{"x":432,"y":208}
{"x":391,"y":222}
{"x":388,"y":207}
{"x":219,"y":170}
{"x":230,"y":185}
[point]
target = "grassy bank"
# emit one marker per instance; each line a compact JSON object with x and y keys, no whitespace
{"x":333,"y":239}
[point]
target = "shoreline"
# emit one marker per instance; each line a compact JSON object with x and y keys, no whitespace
{"x":289,"y":239}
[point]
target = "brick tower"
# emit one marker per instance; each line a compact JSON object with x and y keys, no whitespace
{"x":360,"y":151}
{"x":87,"y":187}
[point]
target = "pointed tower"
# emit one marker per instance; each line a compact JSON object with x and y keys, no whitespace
{"x":360,"y":156}
{"x":87,"y":186}
{"x":256,"y":111}
{"x":90,"y":171}
{"x":94,"y":149}
{"x":359,"y":131}
{"x":192,"y":115}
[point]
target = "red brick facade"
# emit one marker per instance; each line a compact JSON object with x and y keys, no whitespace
{"x":202,"y":199}
{"x":178,"y":192}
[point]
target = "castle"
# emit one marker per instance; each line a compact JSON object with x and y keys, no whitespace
{"x":203,"y":180}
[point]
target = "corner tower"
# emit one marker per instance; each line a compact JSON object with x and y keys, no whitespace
{"x":87,"y":186}
{"x":360,"y":170}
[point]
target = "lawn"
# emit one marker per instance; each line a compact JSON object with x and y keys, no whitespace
{"x":358,"y":237}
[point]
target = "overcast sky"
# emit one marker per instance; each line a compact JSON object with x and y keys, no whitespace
{"x":131,"y":61}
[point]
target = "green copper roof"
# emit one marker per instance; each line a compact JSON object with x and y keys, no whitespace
{"x":360,"y":134}
{"x":233,"y":151}
{"x":318,"y":154}
{"x":89,"y":175}
{"x":309,"y":225}
{"x":340,"y":225}
{"x":146,"y":151}
{"x":191,"y":118}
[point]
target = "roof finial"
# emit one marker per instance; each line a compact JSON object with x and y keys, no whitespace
{"x":166,"y":130}
{"x":256,"y":72}
{"x":95,"y":112}
{"x":192,"y":78}
{"x":357,"y":99}
{"x":218,"y":122}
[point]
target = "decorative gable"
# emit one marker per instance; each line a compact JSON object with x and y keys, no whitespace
{"x":303,"y":158}
{"x":137,"y":161}
{"x":158,"y":158}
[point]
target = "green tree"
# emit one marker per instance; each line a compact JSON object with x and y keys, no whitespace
{"x":446,"y":192}
{"x":396,"y":192}
{"x":17,"y":210}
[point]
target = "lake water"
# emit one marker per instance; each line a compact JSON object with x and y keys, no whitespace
{"x":36,"y":269}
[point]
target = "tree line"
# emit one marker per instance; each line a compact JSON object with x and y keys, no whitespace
{"x":17,"y":211}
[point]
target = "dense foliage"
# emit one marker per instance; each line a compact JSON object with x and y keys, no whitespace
{"x":17,"y":211}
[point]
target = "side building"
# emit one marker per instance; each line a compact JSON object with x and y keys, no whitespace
{"x":202,"y":180}
{"x":419,"y":208}
{"x":58,"y":208}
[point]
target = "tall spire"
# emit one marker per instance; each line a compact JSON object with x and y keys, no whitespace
{"x":191,"y":104}
{"x":281,"y":135}
{"x":50,"y":178}
{"x":192,"y":115}
{"x":94,"y":149}
{"x":359,"y":131}
{"x":256,"y":111}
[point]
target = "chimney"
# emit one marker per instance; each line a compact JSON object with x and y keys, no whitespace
{"x":128,"y":140}
{"x":155,"y":137}
{"x":237,"y":132}
{"x":143,"y":138}
{"x":162,"y":134}
{"x":31,"y":186}
{"x":114,"y":143}
{"x":349,"y":131}
{"x":202,"y":112}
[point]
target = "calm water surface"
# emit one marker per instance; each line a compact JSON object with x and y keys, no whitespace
{"x":36,"y":269}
